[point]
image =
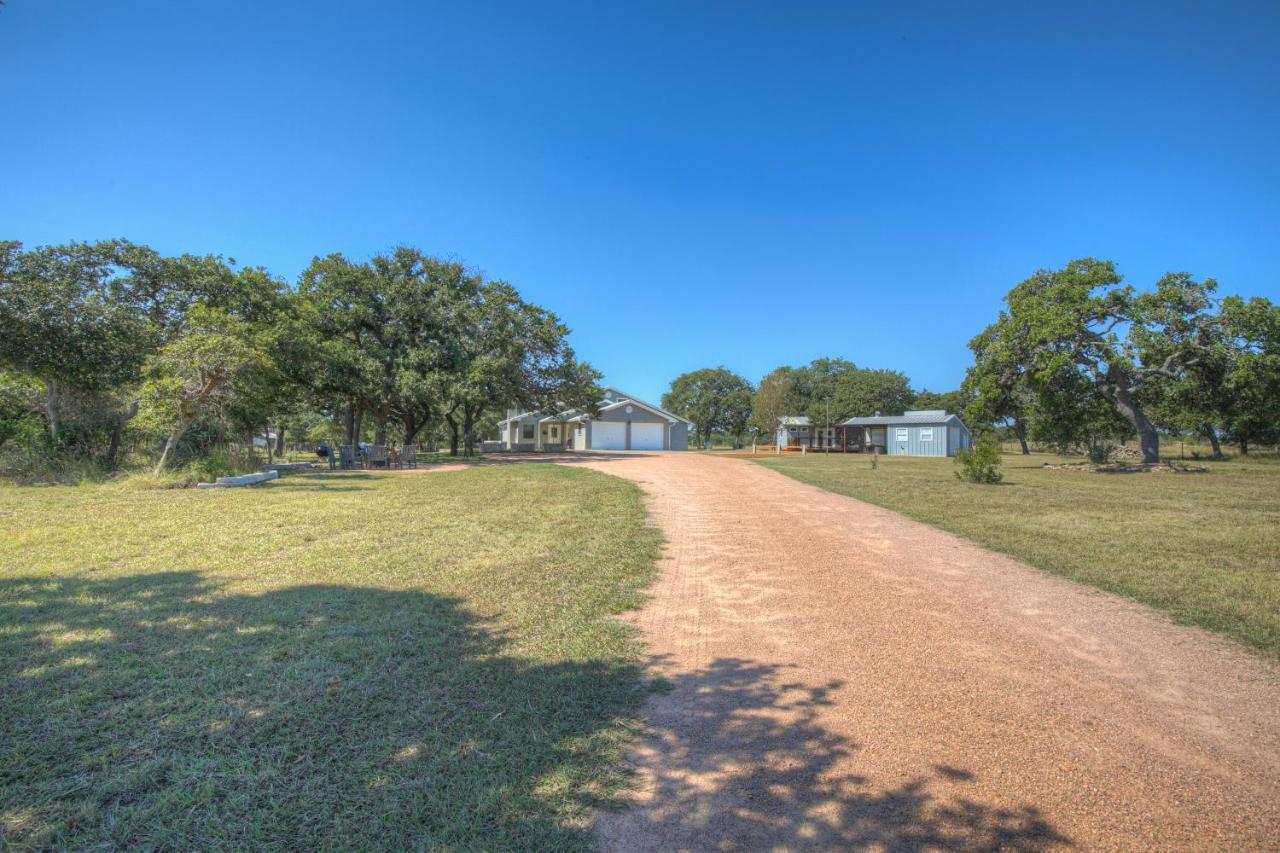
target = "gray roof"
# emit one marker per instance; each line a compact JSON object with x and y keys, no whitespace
{"x":794,"y":420}
{"x":613,"y":398}
{"x":923,"y":418}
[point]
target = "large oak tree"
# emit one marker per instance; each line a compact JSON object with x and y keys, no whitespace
{"x":1082,"y":318}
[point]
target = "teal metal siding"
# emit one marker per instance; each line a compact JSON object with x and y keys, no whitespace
{"x":915,"y":444}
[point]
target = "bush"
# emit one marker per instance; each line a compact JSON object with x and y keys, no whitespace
{"x":1099,"y":452}
{"x":980,"y":463}
{"x":214,"y":464}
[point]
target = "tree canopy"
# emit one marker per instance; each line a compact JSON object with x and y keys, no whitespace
{"x":1066,"y":335}
{"x":91,"y":334}
{"x":715,"y":398}
{"x":829,"y":389}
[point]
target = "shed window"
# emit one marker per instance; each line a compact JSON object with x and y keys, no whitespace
{"x":901,"y":434}
{"x":926,"y":434}
{"x":527,"y":430}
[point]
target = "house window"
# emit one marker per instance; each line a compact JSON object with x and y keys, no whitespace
{"x":926,"y":434}
{"x":901,"y":434}
{"x":527,"y":431}
{"x":553,"y":432}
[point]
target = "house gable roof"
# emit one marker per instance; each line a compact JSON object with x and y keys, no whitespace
{"x":619,"y":398}
{"x":613,"y":399}
{"x":908,"y":419}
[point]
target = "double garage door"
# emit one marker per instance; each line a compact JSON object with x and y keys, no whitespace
{"x":609,"y":435}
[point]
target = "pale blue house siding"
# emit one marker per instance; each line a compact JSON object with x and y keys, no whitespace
{"x":916,"y":443}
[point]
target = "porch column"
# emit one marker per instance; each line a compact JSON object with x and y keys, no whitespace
{"x":537,"y":435}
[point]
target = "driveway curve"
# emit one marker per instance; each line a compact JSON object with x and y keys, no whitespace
{"x":841,"y":676}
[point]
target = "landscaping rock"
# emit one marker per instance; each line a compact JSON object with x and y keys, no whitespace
{"x":1128,"y":468}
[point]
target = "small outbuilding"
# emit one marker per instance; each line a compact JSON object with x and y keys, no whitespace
{"x":923,"y":432}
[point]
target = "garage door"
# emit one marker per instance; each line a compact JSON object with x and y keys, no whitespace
{"x":646,"y":436}
{"x":608,"y":436}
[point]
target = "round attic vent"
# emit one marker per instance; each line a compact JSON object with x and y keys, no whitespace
{"x":630,"y":410}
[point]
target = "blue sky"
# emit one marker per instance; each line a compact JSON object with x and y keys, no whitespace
{"x":686,"y":184}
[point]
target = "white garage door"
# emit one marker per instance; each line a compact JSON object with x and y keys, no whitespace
{"x":646,"y":436}
{"x":606,"y":435}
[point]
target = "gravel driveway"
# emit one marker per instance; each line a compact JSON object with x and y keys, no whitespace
{"x":842,"y":676}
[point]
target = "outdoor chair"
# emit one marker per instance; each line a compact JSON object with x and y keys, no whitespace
{"x":378,"y":456}
{"x":408,"y":458}
{"x":346,"y":456}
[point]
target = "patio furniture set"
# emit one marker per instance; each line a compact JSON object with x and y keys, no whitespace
{"x":351,"y":456}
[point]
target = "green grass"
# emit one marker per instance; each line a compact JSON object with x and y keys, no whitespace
{"x":434,"y":457}
{"x":357,"y":660}
{"x":1203,"y":547}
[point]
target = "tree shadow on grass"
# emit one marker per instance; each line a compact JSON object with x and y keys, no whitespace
{"x":161,"y":711}
{"x":738,"y":759}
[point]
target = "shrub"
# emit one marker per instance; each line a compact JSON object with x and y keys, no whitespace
{"x":980,"y":463}
{"x":1099,"y":451}
{"x":216,"y":463}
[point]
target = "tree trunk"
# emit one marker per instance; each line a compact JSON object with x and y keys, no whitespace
{"x":1148,"y":438}
{"x":280,"y":439}
{"x":410,"y":427}
{"x":359,"y":432}
{"x":271,"y":445}
{"x":453,"y":433}
{"x":1020,"y":430}
{"x":1212,"y":434}
{"x":169,"y":445}
{"x":51,"y":408}
{"x":349,"y":424}
{"x":470,"y":417}
{"x":1244,"y":446}
{"x":117,"y":433}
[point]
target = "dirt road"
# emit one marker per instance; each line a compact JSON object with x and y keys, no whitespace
{"x":844,"y":677}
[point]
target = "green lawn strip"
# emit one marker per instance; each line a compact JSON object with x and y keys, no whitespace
{"x":421,"y":457}
{"x":385,"y":661}
{"x":1202,"y":547}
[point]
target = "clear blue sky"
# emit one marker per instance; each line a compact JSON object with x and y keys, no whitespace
{"x":670,"y":178}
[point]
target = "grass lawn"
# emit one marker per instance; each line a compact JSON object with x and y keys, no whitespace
{"x":422,"y":457}
{"x":404,"y":660}
{"x":1204,"y":547}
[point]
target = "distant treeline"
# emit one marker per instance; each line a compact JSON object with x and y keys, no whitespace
{"x":1076,"y":361}
{"x":827,"y":390}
